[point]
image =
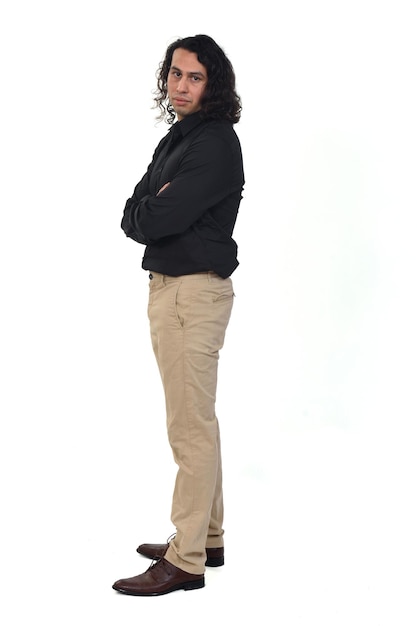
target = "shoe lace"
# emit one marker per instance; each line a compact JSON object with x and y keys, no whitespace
{"x":158,"y":569}
{"x":156,"y":561}
{"x":171,"y":537}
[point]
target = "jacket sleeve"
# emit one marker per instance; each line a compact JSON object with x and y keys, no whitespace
{"x":141,"y":192}
{"x":203,"y":178}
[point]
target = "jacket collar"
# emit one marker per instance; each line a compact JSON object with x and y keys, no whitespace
{"x":186,"y":125}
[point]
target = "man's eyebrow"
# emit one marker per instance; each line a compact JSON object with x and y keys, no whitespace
{"x":177,"y":69}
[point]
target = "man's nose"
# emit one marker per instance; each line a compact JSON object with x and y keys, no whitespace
{"x":182,"y":84}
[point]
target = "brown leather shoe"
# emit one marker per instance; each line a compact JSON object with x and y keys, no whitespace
{"x":162,"y":577}
{"x":215,"y":556}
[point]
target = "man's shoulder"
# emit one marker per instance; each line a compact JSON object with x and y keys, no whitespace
{"x":219,"y":131}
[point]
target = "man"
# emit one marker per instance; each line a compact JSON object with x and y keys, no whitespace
{"x":184,"y":210}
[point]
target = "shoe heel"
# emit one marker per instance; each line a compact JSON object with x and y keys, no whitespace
{"x":215,"y":561}
{"x":194,"y":584}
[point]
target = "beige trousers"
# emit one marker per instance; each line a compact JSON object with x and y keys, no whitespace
{"x":188,"y":319}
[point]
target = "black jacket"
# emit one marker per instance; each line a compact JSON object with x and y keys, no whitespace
{"x":188,"y":227}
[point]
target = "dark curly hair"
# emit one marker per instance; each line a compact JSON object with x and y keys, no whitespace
{"x":220,"y":100}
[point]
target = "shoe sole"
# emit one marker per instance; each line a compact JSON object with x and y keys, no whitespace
{"x":188,"y":586}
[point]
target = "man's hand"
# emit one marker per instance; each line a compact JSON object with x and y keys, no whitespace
{"x":162,"y":188}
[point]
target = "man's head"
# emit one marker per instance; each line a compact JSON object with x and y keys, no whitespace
{"x":186,"y":82}
{"x":196,"y":75}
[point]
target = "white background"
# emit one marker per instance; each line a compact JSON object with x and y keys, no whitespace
{"x":318,"y":375}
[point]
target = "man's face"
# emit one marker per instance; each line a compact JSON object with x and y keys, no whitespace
{"x":187,"y":79}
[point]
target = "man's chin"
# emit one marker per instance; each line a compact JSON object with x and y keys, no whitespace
{"x":183,"y":111}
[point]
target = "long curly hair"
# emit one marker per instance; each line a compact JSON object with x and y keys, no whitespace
{"x":220,"y":100}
